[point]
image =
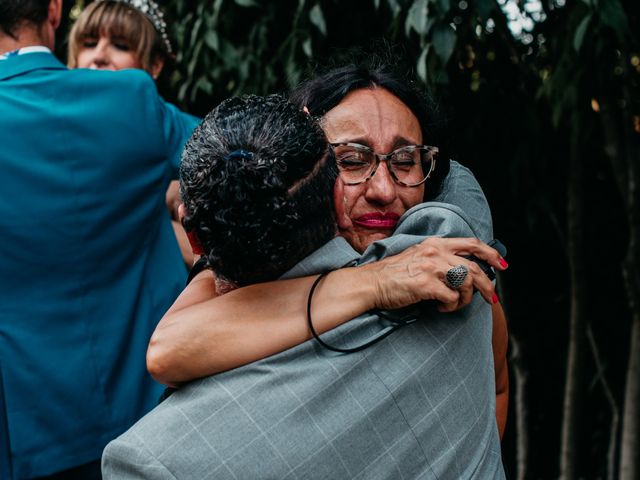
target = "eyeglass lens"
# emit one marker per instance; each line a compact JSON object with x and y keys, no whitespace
{"x":410,"y":165}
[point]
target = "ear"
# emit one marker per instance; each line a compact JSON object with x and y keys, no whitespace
{"x":342,"y":219}
{"x":54,"y":16}
{"x":196,"y":246}
{"x":156,"y":67}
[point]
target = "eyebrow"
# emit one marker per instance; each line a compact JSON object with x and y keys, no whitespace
{"x":398,"y":142}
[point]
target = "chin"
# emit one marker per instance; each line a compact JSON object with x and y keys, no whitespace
{"x":364,"y":242}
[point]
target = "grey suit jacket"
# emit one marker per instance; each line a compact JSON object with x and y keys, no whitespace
{"x":419,"y":404}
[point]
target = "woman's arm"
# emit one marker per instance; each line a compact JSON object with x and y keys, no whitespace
{"x":500,"y":342}
{"x":203,"y":334}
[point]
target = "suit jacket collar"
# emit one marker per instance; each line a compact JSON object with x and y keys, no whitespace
{"x":21,"y":64}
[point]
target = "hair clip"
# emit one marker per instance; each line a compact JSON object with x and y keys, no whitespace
{"x":151,"y":10}
{"x":243,"y":154}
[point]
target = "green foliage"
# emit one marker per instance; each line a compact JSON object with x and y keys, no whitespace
{"x":258,"y":46}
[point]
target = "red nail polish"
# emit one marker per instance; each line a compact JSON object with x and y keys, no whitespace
{"x":503,"y":263}
{"x":495,"y":299}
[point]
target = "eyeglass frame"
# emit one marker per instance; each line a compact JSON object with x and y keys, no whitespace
{"x":386,"y":157}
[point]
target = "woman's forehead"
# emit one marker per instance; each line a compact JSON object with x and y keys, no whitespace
{"x":371,"y":112}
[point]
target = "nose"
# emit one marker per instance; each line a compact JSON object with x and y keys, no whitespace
{"x":381,"y":189}
{"x":100,"y":54}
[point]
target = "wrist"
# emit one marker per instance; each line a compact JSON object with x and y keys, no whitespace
{"x":362,"y":283}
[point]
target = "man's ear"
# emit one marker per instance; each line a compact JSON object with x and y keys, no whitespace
{"x":156,"y":67}
{"x":196,"y":246}
{"x":54,"y":16}
{"x":342,"y":219}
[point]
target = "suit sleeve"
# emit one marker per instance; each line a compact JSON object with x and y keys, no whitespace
{"x":127,"y":458}
{"x":177,"y":126}
{"x":460,"y":188}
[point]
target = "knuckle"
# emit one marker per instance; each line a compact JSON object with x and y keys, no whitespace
{"x":474,"y":268}
{"x":429,"y":250}
{"x":476,"y":243}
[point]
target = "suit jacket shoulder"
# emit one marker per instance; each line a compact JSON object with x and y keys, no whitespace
{"x":460,"y":188}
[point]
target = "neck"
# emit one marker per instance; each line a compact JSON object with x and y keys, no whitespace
{"x":26,"y":36}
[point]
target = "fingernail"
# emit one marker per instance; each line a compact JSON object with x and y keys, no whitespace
{"x":495,"y":299}
{"x":503,"y":263}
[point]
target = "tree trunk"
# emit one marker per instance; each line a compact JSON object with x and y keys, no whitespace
{"x":630,"y":444}
{"x":573,"y":393}
{"x":630,"y":420}
{"x":615,"y":414}
{"x":520,"y":406}
{"x":621,"y":146}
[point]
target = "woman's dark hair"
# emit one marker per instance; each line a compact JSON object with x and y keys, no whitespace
{"x":256,"y":179}
{"x":324,"y":92}
{"x":14,"y":13}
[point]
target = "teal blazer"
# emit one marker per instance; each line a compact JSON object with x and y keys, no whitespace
{"x":89,"y":260}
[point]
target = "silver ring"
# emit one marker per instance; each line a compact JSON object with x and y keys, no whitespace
{"x":456,"y":276}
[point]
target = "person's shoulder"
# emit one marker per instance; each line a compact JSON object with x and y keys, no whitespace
{"x":121,"y":81}
{"x":123,"y":93}
{"x":122,"y":84}
{"x":458,"y":171}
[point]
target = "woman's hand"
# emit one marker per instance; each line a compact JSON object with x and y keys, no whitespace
{"x":419,"y":273}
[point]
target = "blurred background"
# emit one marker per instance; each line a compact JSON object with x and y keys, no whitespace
{"x":542,"y":101}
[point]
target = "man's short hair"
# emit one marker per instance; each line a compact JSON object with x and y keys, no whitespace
{"x":256,"y":179}
{"x":15,"y":13}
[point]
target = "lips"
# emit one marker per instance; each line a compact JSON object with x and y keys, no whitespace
{"x":378,"y":220}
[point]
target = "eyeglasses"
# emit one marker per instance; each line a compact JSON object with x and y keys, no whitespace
{"x":409,"y":166}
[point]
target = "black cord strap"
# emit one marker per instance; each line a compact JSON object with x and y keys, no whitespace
{"x":201,"y":264}
{"x":375,"y":339}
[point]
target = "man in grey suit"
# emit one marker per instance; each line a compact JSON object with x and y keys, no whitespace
{"x":418,"y":404}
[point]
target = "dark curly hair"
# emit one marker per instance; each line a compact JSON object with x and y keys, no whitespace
{"x":325,"y":91}
{"x":15,"y":13}
{"x":256,"y":179}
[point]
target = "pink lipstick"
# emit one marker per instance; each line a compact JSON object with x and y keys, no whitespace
{"x":378,"y":220}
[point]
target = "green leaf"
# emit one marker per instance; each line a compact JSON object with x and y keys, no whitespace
{"x":444,"y":42}
{"x":211,"y":39}
{"x":395,"y":8}
{"x":580,"y":32}
{"x":182,"y":92}
{"x":613,"y":15}
{"x":317,"y":18}
{"x":193,"y":63}
{"x":417,"y":17}
{"x":246,"y":3}
{"x":376,"y":4}
{"x":204,"y":84}
{"x":195,"y":33}
{"x":421,"y":66}
{"x":306,"y":48}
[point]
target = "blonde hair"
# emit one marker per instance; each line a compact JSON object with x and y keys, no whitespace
{"x":121,"y":20}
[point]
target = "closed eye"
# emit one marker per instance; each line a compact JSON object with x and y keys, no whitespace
{"x":89,"y":43}
{"x":120,"y":44}
{"x":352,"y":162}
{"x":403,"y":164}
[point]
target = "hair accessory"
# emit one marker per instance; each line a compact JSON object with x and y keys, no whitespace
{"x":152,"y":11}
{"x":456,"y":276}
{"x":239,"y":154}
